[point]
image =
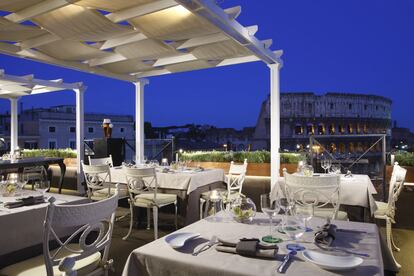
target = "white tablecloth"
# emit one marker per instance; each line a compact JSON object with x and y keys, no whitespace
{"x":158,"y":258}
{"x":22,"y":227}
{"x":188,"y":180}
{"x":357,"y":190}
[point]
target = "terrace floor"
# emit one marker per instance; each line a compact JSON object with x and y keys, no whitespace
{"x":403,"y":234}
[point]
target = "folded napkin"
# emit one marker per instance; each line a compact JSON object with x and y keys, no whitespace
{"x":326,"y":235}
{"x":26,"y":201}
{"x":248,"y":248}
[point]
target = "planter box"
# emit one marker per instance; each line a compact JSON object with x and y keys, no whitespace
{"x":408,"y":178}
{"x":256,"y":169}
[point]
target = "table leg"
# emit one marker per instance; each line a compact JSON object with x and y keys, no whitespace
{"x":62,"y":167}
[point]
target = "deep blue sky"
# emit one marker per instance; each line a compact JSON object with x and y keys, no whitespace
{"x":339,"y":46}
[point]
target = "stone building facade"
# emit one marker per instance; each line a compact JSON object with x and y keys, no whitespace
{"x":337,"y":119}
{"x":55,"y":127}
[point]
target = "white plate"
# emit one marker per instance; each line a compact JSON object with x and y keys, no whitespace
{"x":331,"y":262}
{"x":178,"y":240}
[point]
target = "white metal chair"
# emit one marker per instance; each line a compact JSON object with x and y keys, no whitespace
{"x":143,"y":192}
{"x":386,"y":210}
{"x":33,"y":174}
{"x":322,"y":192}
{"x":101,"y":161}
{"x":234,"y":180}
{"x":98,"y":182}
{"x":73,"y":257}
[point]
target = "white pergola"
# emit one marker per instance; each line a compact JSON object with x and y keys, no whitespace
{"x":15,"y":87}
{"x":134,"y":39}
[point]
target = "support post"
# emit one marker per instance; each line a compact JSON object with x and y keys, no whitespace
{"x":14,"y":125}
{"x":80,"y":135}
{"x":384,"y":167}
{"x":274,"y":124}
{"x":139,"y":120}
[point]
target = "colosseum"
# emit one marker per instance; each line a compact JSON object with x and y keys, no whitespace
{"x":337,"y":120}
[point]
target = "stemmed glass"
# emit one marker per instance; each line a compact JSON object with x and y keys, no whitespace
{"x":284,"y":202}
{"x":294,"y":227}
{"x":326,"y":164}
{"x":271,"y":208}
{"x":305,"y":213}
{"x":42,"y":186}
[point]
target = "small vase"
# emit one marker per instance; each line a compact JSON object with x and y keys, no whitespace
{"x":243,"y":210}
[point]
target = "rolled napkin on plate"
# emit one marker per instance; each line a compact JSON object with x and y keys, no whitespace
{"x":248,"y":248}
{"x":25,"y":201}
{"x":326,"y":235}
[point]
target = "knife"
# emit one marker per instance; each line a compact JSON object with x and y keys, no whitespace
{"x":284,"y":265}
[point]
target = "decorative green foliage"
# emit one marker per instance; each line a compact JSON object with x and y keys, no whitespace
{"x":259,"y":156}
{"x":405,"y":158}
{"x":63,"y":153}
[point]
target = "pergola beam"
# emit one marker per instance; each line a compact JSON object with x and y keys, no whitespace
{"x":140,"y":10}
{"x":123,"y":40}
{"x":38,"y":41}
{"x":36,"y":10}
{"x":174,"y":60}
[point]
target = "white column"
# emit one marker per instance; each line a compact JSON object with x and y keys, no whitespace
{"x":139,"y":119}
{"x":274,"y":124}
{"x":80,"y":134}
{"x":14,"y":124}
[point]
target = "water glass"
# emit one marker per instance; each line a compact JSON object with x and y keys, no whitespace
{"x":270,"y":207}
{"x":294,"y":227}
{"x":42,"y":186}
{"x":305,"y":213}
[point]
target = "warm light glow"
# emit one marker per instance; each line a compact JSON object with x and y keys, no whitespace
{"x":180,"y":11}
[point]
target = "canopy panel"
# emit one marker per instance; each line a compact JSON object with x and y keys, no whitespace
{"x":129,"y":39}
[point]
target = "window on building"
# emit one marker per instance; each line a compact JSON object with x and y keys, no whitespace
{"x":341,"y":129}
{"x":52,"y":144}
{"x":90,"y":130}
{"x":332,"y":106}
{"x":121,"y":130}
{"x":321,"y":129}
{"x":350,"y":106}
{"x":72,"y":129}
{"x":376,"y":107}
{"x":365,"y":107}
{"x":21,"y":129}
{"x":52,"y":129}
{"x":30,"y":145}
{"x":310,"y":129}
{"x":350,"y":128}
{"x":298,"y":130}
{"x":72,"y":144}
{"x":332,"y":129}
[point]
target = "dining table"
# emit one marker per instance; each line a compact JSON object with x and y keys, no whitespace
{"x":19,"y":164}
{"x":354,"y":190}
{"x":159,"y":258}
{"x":21,"y":228}
{"x":186,"y":183}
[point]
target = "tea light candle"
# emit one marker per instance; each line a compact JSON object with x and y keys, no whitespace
{"x":214,"y":195}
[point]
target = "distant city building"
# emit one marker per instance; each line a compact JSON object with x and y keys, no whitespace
{"x":402,"y":139}
{"x":55,"y":127}
{"x":330,"y":116}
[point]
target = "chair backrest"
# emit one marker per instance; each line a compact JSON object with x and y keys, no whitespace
{"x":141,"y":180}
{"x":101,"y":161}
{"x":97,"y":216}
{"x":396,"y":186}
{"x":236,"y":176}
{"x":318,"y":191}
{"x":34,"y":173}
{"x":97,"y":177}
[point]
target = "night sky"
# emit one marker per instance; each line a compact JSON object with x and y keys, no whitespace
{"x":329,"y":46}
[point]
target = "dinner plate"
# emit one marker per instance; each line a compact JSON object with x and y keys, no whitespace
{"x":178,"y":240}
{"x":331,"y":262}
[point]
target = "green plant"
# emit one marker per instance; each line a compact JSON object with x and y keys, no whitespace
{"x":63,"y":153}
{"x":260,"y":156}
{"x":405,"y":158}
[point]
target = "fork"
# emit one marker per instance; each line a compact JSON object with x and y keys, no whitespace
{"x":210,"y":243}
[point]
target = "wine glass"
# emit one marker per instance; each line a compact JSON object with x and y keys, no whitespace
{"x":271,"y":208}
{"x":42,"y":186}
{"x":294,"y":227}
{"x":305,"y":213}
{"x":284,"y":203}
{"x":324,"y":164}
{"x":328,"y":164}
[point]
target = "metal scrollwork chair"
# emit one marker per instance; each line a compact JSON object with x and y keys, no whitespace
{"x":73,"y":256}
{"x":322,"y":192}
{"x":143,"y":192}
{"x":234,"y":180}
{"x":386,"y":210}
{"x":101,"y":161}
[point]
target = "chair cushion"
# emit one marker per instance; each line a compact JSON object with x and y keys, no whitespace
{"x":382,"y":208}
{"x":36,"y":265}
{"x":327,"y":213}
{"x":147,"y":200}
{"x":206,"y":195}
{"x":122,"y":193}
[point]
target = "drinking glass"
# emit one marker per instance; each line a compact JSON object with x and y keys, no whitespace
{"x":270,"y":207}
{"x":285,"y":204}
{"x":294,"y":227}
{"x":336,"y":169}
{"x":324,"y":164}
{"x":164,"y":163}
{"x":42,"y":186}
{"x":328,"y":164}
{"x":305,"y":213}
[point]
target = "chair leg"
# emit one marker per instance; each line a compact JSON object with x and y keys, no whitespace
{"x":202,"y":201}
{"x":389,"y":243}
{"x":393,"y":242}
{"x":131,"y":221}
{"x":176,"y":214}
{"x":148,"y":218}
{"x":207,"y":207}
{"x":155,"y":215}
